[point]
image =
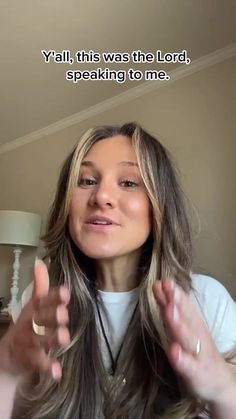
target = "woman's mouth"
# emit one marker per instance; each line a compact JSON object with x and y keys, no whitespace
{"x":100,"y":227}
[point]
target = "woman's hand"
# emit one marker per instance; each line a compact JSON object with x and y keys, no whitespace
{"x":22,"y":350}
{"x":192,"y":352}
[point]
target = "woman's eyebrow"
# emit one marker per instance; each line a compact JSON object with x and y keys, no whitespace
{"x":128,"y":163}
{"x":89,"y":163}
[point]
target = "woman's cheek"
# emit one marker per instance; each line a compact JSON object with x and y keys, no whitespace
{"x":138,"y":206}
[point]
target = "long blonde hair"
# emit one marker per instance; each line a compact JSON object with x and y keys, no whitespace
{"x":152,"y":389}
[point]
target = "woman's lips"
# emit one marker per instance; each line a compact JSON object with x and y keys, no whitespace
{"x":100,"y":227}
{"x":96,"y":218}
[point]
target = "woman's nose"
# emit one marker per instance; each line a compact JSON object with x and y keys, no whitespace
{"x":103,"y":195}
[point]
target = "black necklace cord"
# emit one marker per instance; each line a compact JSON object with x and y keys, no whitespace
{"x":114,"y":362}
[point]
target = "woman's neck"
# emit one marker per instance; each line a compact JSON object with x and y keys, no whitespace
{"x":119,"y":274}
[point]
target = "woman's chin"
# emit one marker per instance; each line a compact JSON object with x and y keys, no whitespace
{"x":100,"y":253}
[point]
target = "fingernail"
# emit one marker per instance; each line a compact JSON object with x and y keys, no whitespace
{"x":37,"y":261}
{"x":56,"y":371}
{"x":179,"y":355}
{"x":175,"y":314}
{"x":64,"y":294}
{"x":177,"y":294}
{"x":172,"y":284}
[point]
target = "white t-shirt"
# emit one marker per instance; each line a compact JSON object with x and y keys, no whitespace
{"x":119,"y":308}
{"x":218,"y":309}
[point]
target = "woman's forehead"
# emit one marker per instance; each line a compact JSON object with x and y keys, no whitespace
{"x":116,"y":149}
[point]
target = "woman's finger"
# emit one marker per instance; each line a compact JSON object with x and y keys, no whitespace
{"x":42,"y":297}
{"x":59,"y":338}
{"x":181,"y":309}
{"x":182,"y":321}
{"x":159,"y":293}
{"x":41,"y":280}
{"x":181,"y":331}
{"x":168,"y":287}
{"x":48,"y":306}
{"x":183,"y":362}
{"x":55,"y":297}
{"x":52,"y":317}
{"x":44,"y":363}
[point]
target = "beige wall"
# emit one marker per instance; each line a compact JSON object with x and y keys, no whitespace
{"x":195,"y":118}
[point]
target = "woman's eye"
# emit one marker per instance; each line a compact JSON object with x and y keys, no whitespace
{"x":129,"y":183}
{"x":86,"y":182}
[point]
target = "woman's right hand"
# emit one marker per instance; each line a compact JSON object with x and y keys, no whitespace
{"x":22,"y":350}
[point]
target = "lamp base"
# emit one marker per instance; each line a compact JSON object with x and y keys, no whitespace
{"x":15,"y":280}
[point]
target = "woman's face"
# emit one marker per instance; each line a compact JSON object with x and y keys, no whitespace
{"x":110,"y":211}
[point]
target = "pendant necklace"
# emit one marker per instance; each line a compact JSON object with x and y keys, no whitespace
{"x":114,"y":361}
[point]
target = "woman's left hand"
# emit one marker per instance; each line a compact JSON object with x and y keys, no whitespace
{"x":192,"y":351}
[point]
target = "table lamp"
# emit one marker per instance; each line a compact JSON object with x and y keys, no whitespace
{"x":18,"y":229}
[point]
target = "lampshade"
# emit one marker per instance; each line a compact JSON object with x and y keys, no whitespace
{"x":19,"y":228}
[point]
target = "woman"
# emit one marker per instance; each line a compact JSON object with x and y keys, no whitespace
{"x":126,"y":331}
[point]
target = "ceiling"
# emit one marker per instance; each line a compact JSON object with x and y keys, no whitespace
{"x":35,"y":94}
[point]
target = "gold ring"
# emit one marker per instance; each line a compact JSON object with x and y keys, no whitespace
{"x":38,"y":330}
